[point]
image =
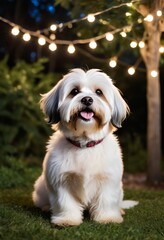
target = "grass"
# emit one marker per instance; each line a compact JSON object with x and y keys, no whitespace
{"x":19,"y":219}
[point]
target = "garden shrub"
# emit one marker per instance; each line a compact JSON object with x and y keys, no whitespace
{"x":23,"y":131}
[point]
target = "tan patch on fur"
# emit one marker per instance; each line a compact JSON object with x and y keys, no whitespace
{"x":74,"y":183}
{"x":101,"y":178}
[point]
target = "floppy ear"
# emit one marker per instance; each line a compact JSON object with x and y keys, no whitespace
{"x":120,"y":109}
{"x":49,"y":104}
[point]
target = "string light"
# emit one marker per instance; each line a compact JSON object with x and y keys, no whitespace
{"x":129,"y":4}
{"x":149,"y":18}
{"x":52,"y":47}
{"x":123,"y":34}
{"x":131,"y":70}
{"x":53,"y":27}
{"x":161,"y":49}
{"x":26,"y":37}
{"x":93,"y":44}
{"x":154,"y":73}
{"x":133,"y":44}
{"x":128,"y":14}
{"x":43,"y":38}
{"x":41,"y":41}
{"x":71,"y":49}
{"x":159,"y":13}
{"x":15,"y":31}
{"x":91,"y":18}
{"x":141,"y":44}
{"x":113,"y":63}
{"x":109,"y":36}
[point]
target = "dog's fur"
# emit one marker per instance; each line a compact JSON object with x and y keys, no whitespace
{"x":83,"y":166}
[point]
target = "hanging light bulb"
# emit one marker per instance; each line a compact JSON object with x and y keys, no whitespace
{"x":149,"y":18}
{"x":109,"y":36}
{"x":71,"y":49}
{"x":26,"y":37}
{"x":141,"y":44}
{"x":161,"y":49}
{"x":129,"y":4}
{"x":113,"y":63}
{"x":52,"y":47}
{"x":91,"y":18}
{"x":131,"y":70}
{"x":41,"y":41}
{"x":154,"y":73}
{"x":52,"y":36}
{"x":53,"y":27}
{"x":128,"y":14}
{"x":15,"y":31}
{"x":159,"y":13}
{"x":133,"y":44}
{"x":123,"y":34}
{"x":93,"y":44}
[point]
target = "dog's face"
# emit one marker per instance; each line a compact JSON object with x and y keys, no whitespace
{"x":84,"y":102}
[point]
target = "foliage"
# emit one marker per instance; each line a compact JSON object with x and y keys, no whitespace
{"x":22,"y":127}
{"x":24,"y":221}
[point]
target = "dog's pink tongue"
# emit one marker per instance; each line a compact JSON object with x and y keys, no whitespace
{"x":87,"y":115}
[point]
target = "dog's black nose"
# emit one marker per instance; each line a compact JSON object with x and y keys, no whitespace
{"x":87,"y":101}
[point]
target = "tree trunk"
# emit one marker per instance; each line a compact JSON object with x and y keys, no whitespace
{"x":151,"y":57}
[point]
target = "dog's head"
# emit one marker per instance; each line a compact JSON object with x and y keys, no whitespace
{"x":84,"y":101}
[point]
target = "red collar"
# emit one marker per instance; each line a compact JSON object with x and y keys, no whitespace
{"x":87,"y":145}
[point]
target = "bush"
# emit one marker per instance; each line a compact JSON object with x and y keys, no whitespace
{"x":23,"y":130}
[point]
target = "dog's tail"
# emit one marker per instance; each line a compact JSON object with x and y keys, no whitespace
{"x":126,"y":204}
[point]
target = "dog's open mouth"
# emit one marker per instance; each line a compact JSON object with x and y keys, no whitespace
{"x":86,"y":114}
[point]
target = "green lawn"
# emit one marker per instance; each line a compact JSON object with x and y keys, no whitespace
{"x":19,"y":219}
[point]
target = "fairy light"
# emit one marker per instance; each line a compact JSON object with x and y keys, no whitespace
{"x":26,"y":37}
{"x":154,"y":73}
{"x":53,"y":27}
{"x":52,"y":47}
{"x":15,"y":31}
{"x":161,"y":49}
{"x":71,"y":49}
{"x":139,"y":20}
{"x":128,"y":14}
{"x":91,"y":18}
{"x":159,"y":13}
{"x":131,"y":70}
{"x":149,"y":18}
{"x":133,"y":44}
{"x":41,"y":41}
{"x":113,"y":63}
{"x":109,"y":36}
{"x":52,"y":36}
{"x":123,"y":34}
{"x":93,"y":44}
{"x":129,"y":4}
{"x":141,"y":44}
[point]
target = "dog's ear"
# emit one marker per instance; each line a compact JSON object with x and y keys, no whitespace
{"x":120,"y":109}
{"x":49,"y":104}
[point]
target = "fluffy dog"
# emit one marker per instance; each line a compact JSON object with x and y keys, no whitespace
{"x":83,"y":166}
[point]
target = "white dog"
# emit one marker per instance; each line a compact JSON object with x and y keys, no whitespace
{"x":83,"y":166}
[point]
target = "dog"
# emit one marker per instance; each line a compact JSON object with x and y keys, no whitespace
{"x":83,"y":165}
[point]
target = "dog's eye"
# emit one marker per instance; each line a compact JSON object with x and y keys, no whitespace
{"x":99,"y":92}
{"x":74,"y":91}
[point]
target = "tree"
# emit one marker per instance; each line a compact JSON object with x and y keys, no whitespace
{"x":151,"y":57}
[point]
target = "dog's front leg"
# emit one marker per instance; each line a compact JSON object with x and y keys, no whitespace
{"x":65,"y":209}
{"x":105,"y":207}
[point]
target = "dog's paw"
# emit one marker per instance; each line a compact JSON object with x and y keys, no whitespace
{"x":111,"y":217}
{"x":63,"y":221}
{"x":110,"y":220}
